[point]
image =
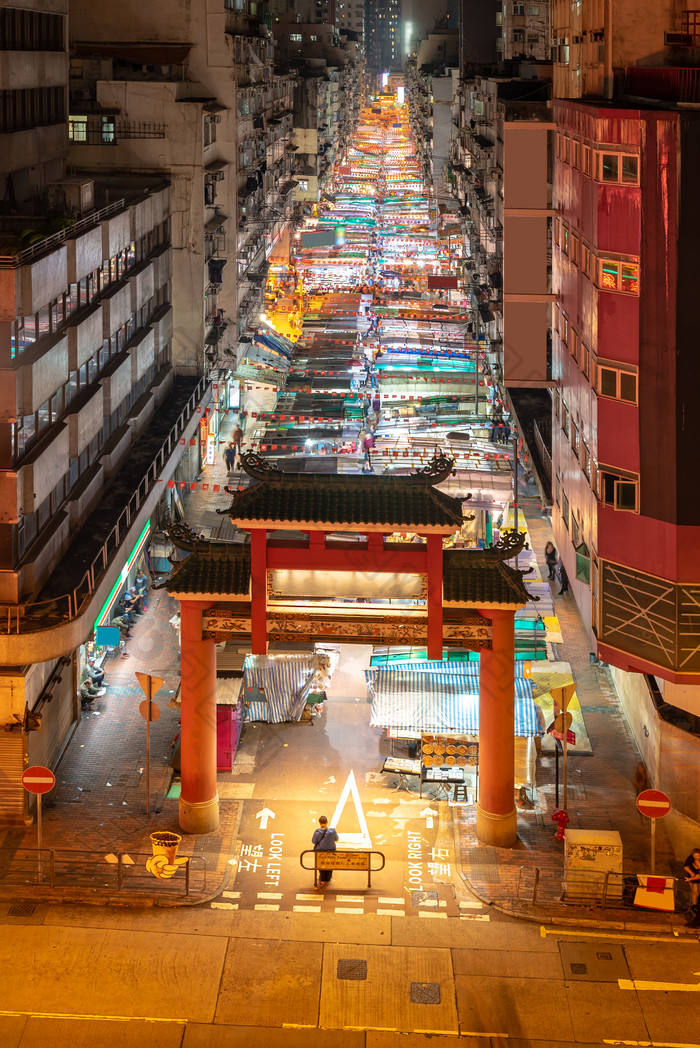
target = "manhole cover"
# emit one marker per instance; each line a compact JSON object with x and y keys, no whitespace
{"x":584,"y":961}
{"x":425,"y":993}
{"x":21,"y":909}
{"x":352,"y":969}
{"x":424,"y":899}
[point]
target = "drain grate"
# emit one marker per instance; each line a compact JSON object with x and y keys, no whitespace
{"x":352,"y":969}
{"x":21,"y":909}
{"x":578,"y":968}
{"x":604,"y":956}
{"x":584,"y":961}
{"x":424,"y":899}
{"x":425,"y":993}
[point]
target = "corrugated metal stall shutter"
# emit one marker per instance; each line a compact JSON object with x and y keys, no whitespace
{"x":58,"y":718}
{"x":13,"y":797}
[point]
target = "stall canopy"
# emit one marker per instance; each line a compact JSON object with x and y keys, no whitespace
{"x":439,"y":701}
{"x":276,"y":688}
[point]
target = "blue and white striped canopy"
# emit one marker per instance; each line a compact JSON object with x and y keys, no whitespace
{"x":276,"y":687}
{"x":440,"y":701}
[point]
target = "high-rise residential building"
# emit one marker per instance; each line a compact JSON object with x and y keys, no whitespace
{"x":626,"y":518}
{"x":95,"y":418}
{"x":383,"y":43}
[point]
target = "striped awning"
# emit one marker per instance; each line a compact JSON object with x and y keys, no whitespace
{"x":439,"y":701}
{"x":277,"y":686}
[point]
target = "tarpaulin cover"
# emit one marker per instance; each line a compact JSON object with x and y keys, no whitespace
{"x":277,"y":687}
{"x":439,"y":701}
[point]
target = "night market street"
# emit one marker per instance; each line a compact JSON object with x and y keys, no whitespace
{"x":453,"y":940}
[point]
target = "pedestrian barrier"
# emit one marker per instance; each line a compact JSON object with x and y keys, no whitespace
{"x":606,"y":889}
{"x":342,"y":859}
{"x":97,"y":872}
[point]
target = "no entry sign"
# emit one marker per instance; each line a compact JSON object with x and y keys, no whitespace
{"x":653,"y":803}
{"x":38,"y":780}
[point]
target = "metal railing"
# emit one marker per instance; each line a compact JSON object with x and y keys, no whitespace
{"x":53,"y":868}
{"x":36,"y":616}
{"x":48,"y":243}
{"x":604,"y":889}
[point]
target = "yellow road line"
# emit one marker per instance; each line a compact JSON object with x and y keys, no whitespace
{"x":660,"y":987}
{"x":563,"y":932}
{"x":90,"y":1018}
{"x":655,"y":1044}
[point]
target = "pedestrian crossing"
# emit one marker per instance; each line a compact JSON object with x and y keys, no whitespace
{"x":337,"y":902}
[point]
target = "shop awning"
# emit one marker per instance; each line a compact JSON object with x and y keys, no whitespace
{"x":445,"y":701}
{"x":276,"y":687}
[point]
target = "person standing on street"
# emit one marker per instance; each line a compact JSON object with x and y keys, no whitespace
{"x":563,"y":578}
{"x":324,"y":839}
{"x":551,"y":557}
{"x":692,"y":871}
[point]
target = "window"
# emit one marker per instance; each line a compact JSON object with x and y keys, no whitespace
{"x":295,"y":38}
{"x":518,"y":9}
{"x":618,"y":489}
{"x":303,"y":184}
{"x":618,"y":276}
{"x":564,"y":509}
{"x":557,"y":231}
{"x":574,"y":344}
{"x":557,"y":489}
{"x":583,"y":562}
{"x":575,"y":152}
{"x":586,"y":165}
{"x":585,"y":260}
{"x":564,"y":417}
{"x":564,"y":156}
{"x":585,"y":360}
{"x":557,"y":405}
{"x":574,"y":249}
{"x":564,"y":328}
{"x":575,"y":529}
{"x":586,"y":460}
{"x":575,"y":439}
{"x":618,"y":168}
{"x":565,"y":239}
{"x":618,"y":381}
{"x":533,"y":9}
{"x":77,"y":128}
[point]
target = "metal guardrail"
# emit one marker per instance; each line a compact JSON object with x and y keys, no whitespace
{"x":577,"y":887}
{"x":36,"y":616}
{"x":80,"y":226}
{"x":123,"y":872}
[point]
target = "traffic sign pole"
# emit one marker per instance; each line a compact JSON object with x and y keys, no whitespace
{"x":654,"y":804}
{"x":147,"y":683}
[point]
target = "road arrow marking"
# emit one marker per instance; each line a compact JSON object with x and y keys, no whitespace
{"x":264,"y":815}
{"x":361,"y":839}
{"x":428,"y":813}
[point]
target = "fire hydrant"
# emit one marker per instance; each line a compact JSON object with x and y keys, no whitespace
{"x":560,"y":816}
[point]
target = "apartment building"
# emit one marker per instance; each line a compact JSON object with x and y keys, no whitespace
{"x":625,"y":514}
{"x":94,"y":418}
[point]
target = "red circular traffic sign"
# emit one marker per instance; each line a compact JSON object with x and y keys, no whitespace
{"x":38,"y":779}
{"x":653,"y":803}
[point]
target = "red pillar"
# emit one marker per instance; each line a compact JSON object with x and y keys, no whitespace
{"x":199,"y":799}
{"x":258,"y":591}
{"x":434,"y":596}
{"x":496,"y":819}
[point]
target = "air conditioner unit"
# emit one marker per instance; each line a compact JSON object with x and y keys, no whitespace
{"x":215,"y":119}
{"x":75,"y":194}
{"x":218,"y":175}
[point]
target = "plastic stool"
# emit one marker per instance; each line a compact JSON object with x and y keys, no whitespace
{"x":460,"y":792}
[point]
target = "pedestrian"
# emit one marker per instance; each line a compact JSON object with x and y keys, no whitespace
{"x":230,"y":457}
{"x":563,"y":578}
{"x":551,"y":557}
{"x":324,"y":839}
{"x":93,"y":673}
{"x":641,"y":779}
{"x":124,"y":626}
{"x":692,"y":869}
{"x":237,"y":437}
{"x":88,"y":694}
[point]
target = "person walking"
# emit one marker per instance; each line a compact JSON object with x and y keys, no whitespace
{"x":236,"y":438}
{"x":230,"y":457}
{"x":551,"y":557}
{"x":324,"y":839}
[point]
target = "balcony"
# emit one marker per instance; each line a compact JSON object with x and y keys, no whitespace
{"x":669,"y":84}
